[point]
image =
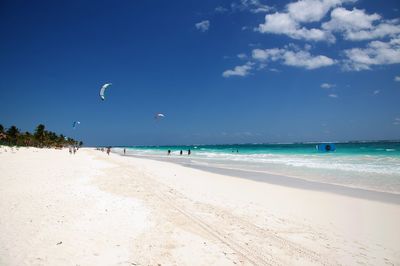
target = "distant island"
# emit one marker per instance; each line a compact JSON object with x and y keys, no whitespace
{"x":41,"y":138}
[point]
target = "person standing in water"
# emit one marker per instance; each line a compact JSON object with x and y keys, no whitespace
{"x":189,"y":152}
{"x":181,"y":152}
{"x":124,"y":151}
{"x":169,"y":152}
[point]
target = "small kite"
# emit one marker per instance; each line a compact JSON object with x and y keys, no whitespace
{"x":159,"y":116}
{"x":103,"y":89}
{"x":75,"y":123}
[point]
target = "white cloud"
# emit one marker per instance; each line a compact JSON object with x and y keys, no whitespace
{"x":278,"y":23}
{"x":305,"y":59}
{"x":397,"y":78}
{"x":203,"y":25}
{"x":333,"y":95}
{"x":350,"y":20}
{"x":254,"y":6}
{"x":380,"y":31}
{"x":241,"y":71}
{"x":309,"y":20}
{"x":327,"y":86}
{"x":396,"y":121}
{"x":376,"y":53}
{"x":261,"y":66}
{"x":254,"y":44}
{"x":376,"y":92}
{"x":268,"y":54}
{"x":296,"y":13}
{"x":356,"y":25}
{"x":283,"y":23}
{"x":312,"y":10}
{"x":221,"y":9}
{"x":297,"y":58}
{"x":242,"y":56}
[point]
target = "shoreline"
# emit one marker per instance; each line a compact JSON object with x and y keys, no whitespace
{"x":284,"y":180}
{"x":343,"y":222}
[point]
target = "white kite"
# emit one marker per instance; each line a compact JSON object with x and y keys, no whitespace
{"x":103,"y":89}
{"x":159,"y":115}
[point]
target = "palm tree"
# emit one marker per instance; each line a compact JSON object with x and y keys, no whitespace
{"x":41,"y":138}
{"x":51,"y":138}
{"x":13,"y":133}
{"x":27,"y":139}
{"x":2,"y":135}
{"x":39,"y":133}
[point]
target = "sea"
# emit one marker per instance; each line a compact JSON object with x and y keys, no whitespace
{"x":373,"y":166}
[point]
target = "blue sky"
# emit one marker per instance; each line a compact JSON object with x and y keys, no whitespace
{"x":221,"y":71}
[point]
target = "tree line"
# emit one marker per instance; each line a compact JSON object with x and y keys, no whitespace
{"x":41,"y":138}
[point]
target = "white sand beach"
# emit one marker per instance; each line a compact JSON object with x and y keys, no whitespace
{"x":94,"y":209}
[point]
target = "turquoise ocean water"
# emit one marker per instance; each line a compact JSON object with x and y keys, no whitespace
{"x":366,"y":165}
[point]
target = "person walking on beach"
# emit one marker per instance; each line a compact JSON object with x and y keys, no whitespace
{"x":108,"y":150}
{"x":169,"y":152}
{"x":70,"y":150}
{"x":124,"y":151}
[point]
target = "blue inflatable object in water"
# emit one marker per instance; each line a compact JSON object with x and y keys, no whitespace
{"x":326,"y":147}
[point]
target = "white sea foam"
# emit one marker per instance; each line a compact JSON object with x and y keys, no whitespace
{"x":375,"y":172}
{"x":363,"y":164}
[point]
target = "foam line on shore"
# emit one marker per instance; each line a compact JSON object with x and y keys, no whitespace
{"x":287,"y":181}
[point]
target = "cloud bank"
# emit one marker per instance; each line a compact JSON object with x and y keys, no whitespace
{"x":375,"y":40}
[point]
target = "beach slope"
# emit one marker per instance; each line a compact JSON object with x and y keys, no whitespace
{"x":94,"y":209}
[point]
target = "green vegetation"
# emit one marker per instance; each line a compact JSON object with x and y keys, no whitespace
{"x":41,"y":138}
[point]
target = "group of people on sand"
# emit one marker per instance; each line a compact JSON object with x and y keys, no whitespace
{"x":181,"y":152}
{"x":108,"y":150}
{"x":73,"y":149}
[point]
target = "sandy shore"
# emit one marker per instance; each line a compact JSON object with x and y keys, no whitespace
{"x":94,"y":209}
